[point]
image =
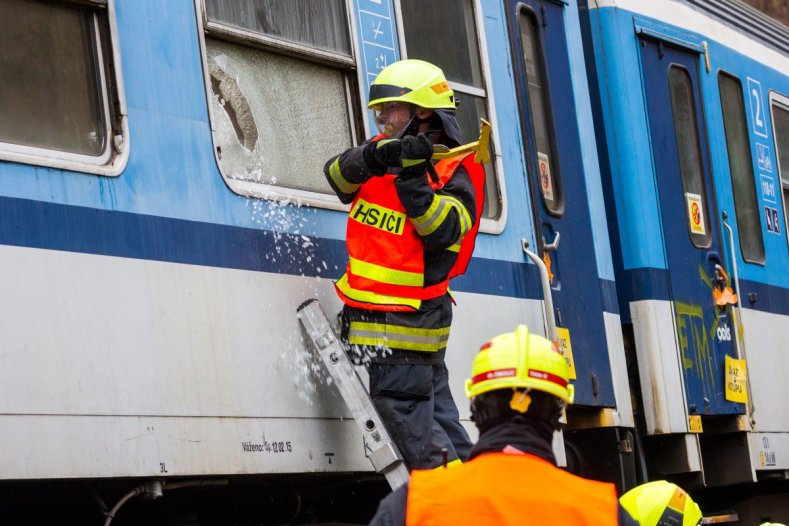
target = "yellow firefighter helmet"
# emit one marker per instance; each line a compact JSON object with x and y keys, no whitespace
{"x":414,"y":81}
{"x":520,"y":360}
{"x":661,"y":503}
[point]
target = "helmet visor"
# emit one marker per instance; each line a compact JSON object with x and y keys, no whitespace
{"x":386,"y":91}
{"x":392,"y":118}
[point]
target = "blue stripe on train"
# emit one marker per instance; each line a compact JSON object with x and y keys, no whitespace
{"x":51,"y":226}
{"x":653,"y":284}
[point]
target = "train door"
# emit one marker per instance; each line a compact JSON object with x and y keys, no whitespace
{"x":690,"y":223}
{"x":559,"y":199}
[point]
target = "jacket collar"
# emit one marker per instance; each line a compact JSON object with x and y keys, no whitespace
{"x":530,"y":436}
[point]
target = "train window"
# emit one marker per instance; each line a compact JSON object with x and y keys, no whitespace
{"x":688,"y":146}
{"x":741,"y":169}
{"x":320,"y":24}
{"x":56,"y":85}
{"x":463,"y":68}
{"x":282,"y":88}
{"x":533,"y":57}
{"x":780,"y":112}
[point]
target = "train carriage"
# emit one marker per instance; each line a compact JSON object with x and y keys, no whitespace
{"x":690,"y":100}
{"x":164,"y":213}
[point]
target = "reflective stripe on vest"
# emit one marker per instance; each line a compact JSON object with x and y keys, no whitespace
{"x":506,"y":489}
{"x":398,"y":336}
{"x":371,"y":300}
{"x":380,"y":273}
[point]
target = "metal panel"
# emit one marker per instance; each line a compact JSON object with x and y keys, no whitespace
{"x":659,"y":369}
{"x":767,"y":341}
{"x":769,"y":451}
{"x":56,"y":446}
{"x":143,"y":362}
{"x":616,"y":353}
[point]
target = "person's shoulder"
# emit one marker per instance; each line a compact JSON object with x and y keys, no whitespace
{"x":392,"y":508}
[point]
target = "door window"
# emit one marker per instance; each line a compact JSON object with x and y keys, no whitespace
{"x":541,"y":119}
{"x":689,"y":152}
{"x":780,"y":110}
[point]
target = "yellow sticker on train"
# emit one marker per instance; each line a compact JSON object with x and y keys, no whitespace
{"x":566,"y":348}
{"x":696,"y":214}
{"x":736,"y":380}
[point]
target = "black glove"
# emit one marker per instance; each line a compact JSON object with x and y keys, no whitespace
{"x":415,"y":155}
{"x":380,"y":155}
{"x":411,"y":154}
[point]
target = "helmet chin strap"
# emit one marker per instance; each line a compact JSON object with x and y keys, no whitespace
{"x":412,"y":128}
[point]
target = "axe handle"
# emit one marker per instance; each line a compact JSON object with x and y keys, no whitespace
{"x":479,"y":147}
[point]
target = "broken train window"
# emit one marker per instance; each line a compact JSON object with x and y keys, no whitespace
{"x":283,"y":89}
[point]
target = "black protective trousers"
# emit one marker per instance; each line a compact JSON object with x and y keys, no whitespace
{"x":416,"y":404}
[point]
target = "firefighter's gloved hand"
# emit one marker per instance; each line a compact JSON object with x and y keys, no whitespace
{"x":380,"y":155}
{"x":415,"y":155}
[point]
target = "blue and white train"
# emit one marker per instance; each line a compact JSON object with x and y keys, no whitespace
{"x":691,"y":114}
{"x":163,"y":213}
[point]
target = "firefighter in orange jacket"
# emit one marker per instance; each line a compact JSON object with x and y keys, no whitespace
{"x":518,"y":388}
{"x":407,"y":235}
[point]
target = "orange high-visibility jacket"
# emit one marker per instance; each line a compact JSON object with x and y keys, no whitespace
{"x":508,"y":489}
{"x":385,"y":269}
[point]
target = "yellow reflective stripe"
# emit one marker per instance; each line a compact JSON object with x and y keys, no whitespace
{"x":454,"y":248}
{"x":435,"y":215}
{"x":463,"y":215}
{"x":386,"y":275}
{"x":341,"y":182}
{"x":372,"y":297}
{"x":398,"y":336}
{"x":408,"y":163}
{"x":428,"y":222}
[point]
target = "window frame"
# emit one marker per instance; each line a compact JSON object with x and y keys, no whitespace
{"x":744,"y":122}
{"x":487,"y":225}
{"x":349,"y":68}
{"x":112,"y":161}
{"x":778,"y":99}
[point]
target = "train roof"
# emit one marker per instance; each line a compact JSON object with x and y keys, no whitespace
{"x":747,"y":20}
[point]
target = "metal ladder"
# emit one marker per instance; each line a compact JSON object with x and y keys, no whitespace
{"x":378,"y":445}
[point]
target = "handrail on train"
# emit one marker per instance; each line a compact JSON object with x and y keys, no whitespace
{"x":550,"y":319}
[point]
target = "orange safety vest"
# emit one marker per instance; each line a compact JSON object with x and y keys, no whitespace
{"x":508,"y":489}
{"x":385,"y":270}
